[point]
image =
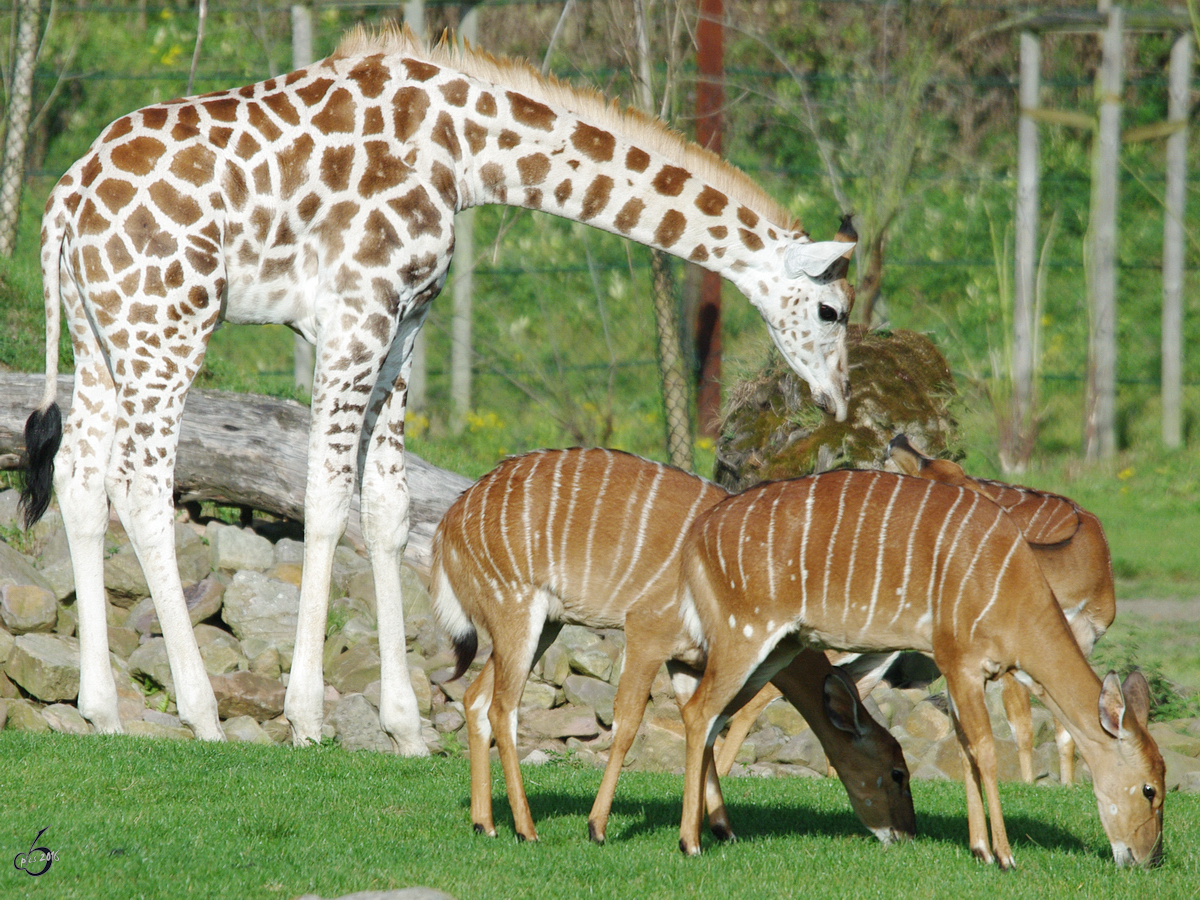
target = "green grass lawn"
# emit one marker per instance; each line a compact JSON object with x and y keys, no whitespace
{"x":133,"y":818}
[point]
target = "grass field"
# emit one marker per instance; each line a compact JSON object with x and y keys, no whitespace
{"x":129,"y":818}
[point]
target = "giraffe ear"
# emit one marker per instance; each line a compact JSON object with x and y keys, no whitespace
{"x":812,"y":259}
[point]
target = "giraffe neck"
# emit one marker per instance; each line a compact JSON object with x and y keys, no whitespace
{"x":512,"y":138}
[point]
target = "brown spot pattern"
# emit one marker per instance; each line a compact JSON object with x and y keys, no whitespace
{"x":747,"y":216}
{"x":636,"y":160}
{"x":670,"y":180}
{"x":491,"y":176}
{"x":442,"y":178}
{"x":223,"y":110}
{"x":115,"y":194}
{"x":263,"y":124}
{"x":180,"y":208}
{"x":194,"y":164}
{"x":444,"y":135}
{"x":530,"y":112}
{"x":486,"y":105}
{"x":595,"y":198}
{"x":408,"y":111}
{"x":373,"y":120}
{"x":628,"y":216}
{"x":419,"y":213}
{"x":383,"y":170}
{"x":310,"y":95}
{"x":455,"y":92}
{"x":293,"y":165}
{"x":372,"y":76}
{"x":475,"y":135}
{"x":562,"y":193}
{"x":337,"y":115}
{"x":139,"y":155}
{"x":336,"y":163}
{"x":418,"y":70}
{"x":711,"y":202}
{"x":533,"y":168}
{"x":670,"y":228}
{"x":751,"y":240}
{"x":594,"y":143}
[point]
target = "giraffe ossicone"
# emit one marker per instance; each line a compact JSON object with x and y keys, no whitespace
{"x":324,"y":200}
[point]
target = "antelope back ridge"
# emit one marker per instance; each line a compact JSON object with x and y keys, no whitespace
{"x":870,"y":562}
{"x":593,"y":538}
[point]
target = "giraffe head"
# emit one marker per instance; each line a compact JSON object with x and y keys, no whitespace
{"x":807,"y":314}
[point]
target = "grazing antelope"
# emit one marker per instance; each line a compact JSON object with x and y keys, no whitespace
{"x":871,"y":562}
{"x":1072,"y":551}
{"x":1070,"y":547}
{"x":592,"y":537}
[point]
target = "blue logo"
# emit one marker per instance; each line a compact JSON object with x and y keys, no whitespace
{"x":37,"y":861}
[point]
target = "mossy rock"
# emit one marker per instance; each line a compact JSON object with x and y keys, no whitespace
{"x":898,"y":382}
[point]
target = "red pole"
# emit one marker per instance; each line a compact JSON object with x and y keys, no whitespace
{"x":710,"y":97}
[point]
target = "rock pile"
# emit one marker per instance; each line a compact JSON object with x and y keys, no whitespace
{"x":242,"y":589}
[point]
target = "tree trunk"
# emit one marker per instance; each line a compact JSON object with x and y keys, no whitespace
{"x":16,"y":119}
{"x":251,"y":451}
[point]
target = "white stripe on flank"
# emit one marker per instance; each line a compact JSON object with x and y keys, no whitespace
{"x":1001,"y":515}
{"x":999,"y":578}
{"x":551,"y":509}
{"x":690,"y":618}
{"x":883,"y":530}
{"x":862,"y":517}
{"x":647,"y":506}
{"x":573,"y":501}
{"x":526,"y":516}
{"x":935,"y":558}
{"x":833,"y":535}
{"x":505,"y":531}
{"x":963,"y":525}
{"x":914,"y":530}
{"x":671,"y":560}
{"x":741,"y":546}
{"x":803,"y":572}
{"x":601,"y":494}
{"x":771,"y":547}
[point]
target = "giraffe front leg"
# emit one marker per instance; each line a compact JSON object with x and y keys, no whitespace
{"x":340,"y":395}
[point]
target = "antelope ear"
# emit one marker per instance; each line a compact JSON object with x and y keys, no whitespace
{"x":1137,"y":696}
{"x":841,"y":703}
{"x":1114,"y":704}
{"x":812,"y":259}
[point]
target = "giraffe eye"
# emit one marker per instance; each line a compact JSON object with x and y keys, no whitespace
{"x":827,"y":313}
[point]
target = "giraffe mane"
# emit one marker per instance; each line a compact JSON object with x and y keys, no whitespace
{"x":649,"y":132}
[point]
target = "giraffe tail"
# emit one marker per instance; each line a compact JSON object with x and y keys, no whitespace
{"x":449,"y":612}
{"x":43,"y":428}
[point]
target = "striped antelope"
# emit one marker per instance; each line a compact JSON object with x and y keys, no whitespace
{"x":592,"y":537}
{"x":1072,"y":551}
{"x":871,"y":562}
{"x":1070,"y":547}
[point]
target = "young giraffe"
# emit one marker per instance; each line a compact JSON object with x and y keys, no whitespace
{"x":324,"y":200}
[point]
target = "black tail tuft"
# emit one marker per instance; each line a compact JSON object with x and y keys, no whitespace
{"x":465,"y":648}
{"x":43,"y":434}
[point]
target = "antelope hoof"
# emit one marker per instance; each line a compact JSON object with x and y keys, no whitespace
{"x":596,"y":833}
{"x":480,"y":828}
{"x":688,"y":851}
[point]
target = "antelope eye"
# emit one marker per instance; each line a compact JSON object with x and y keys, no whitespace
{"x":1148,"y":792}
{"x":898,"y":776}
{"x":827,"y":313}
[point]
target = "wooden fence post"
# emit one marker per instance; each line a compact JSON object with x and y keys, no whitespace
{"x":1179,"y":79}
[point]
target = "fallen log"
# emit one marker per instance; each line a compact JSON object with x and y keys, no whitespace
{"x":246,"y":450}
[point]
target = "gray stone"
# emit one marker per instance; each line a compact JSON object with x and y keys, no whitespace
{"x":3,"y":713}
{"x":346,"y":565}
{"x":782,"y":715}
{"x":592,"y":693}
{"x":6,"y":645}
{"x":247,"y":694}
{"x":24,"y":716}
{"x":1179,"y":768}
{"x":245,"y":730}
{"x":122,"y":641}
{"x":261,"y":613}
{"x":203,"y":599}
{"x":928,"y":722}
{"x":449,"y":720}
{"x":357,"y":724}
{"x":149,"y":661}
{"x":233,"y":549}
{"x":559,"y":723}
{"x":555,"y":665}
{"x":26,"y":608}
{"x":16,"y":568}
{"x":353,"y":670}
{"x":10,"y":508}
{"x":45,"y":665}
{"x":220,"y":650}
{"x":802,"y":750}
{"x":661,"y":746}
{"x":65,"y":719}
{"x":538,"y":695}
{"x":123,"y":577}
{"x":267,"y":663}
{"x":289,"y":551}
{"x":152,"y":729}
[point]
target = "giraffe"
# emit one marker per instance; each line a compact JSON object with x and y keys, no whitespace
{"x":324,"y":200}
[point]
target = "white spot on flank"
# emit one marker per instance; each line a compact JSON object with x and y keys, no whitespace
{"x":732,"y":621}
{"x":748,"y":631}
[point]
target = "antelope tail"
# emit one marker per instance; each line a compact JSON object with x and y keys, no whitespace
{"x":448,"y":611}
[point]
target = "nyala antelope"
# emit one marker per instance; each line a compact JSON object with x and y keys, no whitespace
{"x":592,"y":537}
{"x":1072,"y":552}
{"x":1070,"y":547}
{"x":873,"y":562}
{"x":324,"y":200}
